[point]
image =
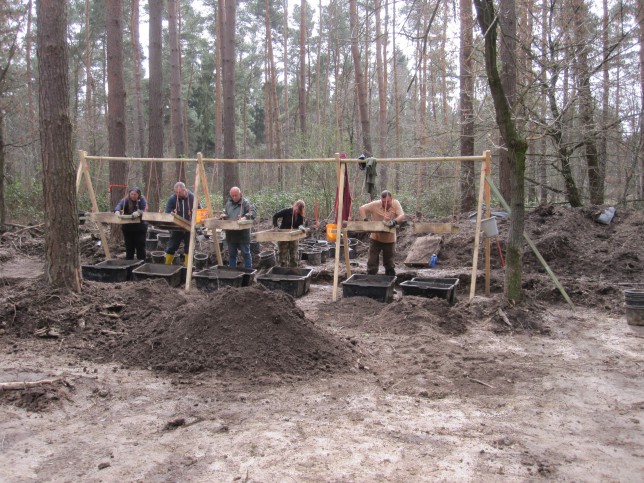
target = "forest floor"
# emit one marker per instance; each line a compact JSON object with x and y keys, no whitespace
{"x":150,"y":383}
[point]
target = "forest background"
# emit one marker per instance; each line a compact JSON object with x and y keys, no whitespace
{"x":305,"y":71}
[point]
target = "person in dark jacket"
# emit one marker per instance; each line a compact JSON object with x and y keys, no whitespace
{"x":292,"y":218}
{"x":134,"y":234}
{"x":182,"y":203}
{"x":238,"y":208}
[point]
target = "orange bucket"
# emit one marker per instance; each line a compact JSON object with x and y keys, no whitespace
{"x":202,"y":214}
{"x":331,"y":232}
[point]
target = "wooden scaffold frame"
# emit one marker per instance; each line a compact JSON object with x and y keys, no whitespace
{"x":350,"y":226}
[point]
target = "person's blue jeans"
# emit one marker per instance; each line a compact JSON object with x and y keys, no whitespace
{"x":232,"y":254}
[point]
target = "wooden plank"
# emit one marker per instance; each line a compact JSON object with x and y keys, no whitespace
{"x":169,"y":221}
{"x":422,"y":249}
{"x":477,"y":234}
{"x":193,"y":228}
{"x":438,"y":228}
{"x":369,"y":226}
{"x":341,"y":167}
{"x":110,"y":217}
{"x":277,"y":235}
{"x":215,"y":223}
{"x":92,"y":196}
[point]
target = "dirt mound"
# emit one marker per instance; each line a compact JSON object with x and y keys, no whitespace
{"x":248,"y":331}
{"x":407,"y":315}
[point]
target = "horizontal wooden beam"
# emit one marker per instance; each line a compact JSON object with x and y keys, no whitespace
{"x":169,"y":221}
{"x":286,"y":161}
{"x":369,"y":226}
{"x":439,"y":228}
{"x":278,"y":235}
{"x":113,"y":218}
{"x":215,"y":223}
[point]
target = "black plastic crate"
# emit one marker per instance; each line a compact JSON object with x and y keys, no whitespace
{"x":114,"y":270}
{"x":248,"y":273}
{"x":170,"y":273}
{"x":444,"y":288}
{"x":379,"y":287}
{"x":294,"y":281}
{"x":214,"y":278}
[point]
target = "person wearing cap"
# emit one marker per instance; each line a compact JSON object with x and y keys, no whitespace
{"x":390,"y":212}
{"x":134,"y":234}
{"x":181,"y":203}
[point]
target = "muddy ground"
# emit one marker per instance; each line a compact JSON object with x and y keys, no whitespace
{"x":150,"y":383}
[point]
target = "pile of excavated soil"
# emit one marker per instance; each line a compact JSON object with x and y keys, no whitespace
{"x":250,"y":332}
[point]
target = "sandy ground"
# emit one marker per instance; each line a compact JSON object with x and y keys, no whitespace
{"x":414,"y":390}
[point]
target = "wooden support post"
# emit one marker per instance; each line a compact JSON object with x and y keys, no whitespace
{"x":488,"y":212}
{"x":347,"y":263}
{"x":204,"y":179}
{"x":92,"y":196}
{"x":193,"y":231}
{"x":336,"y":266}
{"x":477,"y":235}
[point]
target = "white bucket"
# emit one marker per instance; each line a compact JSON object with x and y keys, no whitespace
{"x":489,"y":227}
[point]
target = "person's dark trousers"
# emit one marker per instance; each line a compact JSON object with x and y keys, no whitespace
{"x":388,"y":253}
{"x":176,"y":236}
{"x":134,"y":242}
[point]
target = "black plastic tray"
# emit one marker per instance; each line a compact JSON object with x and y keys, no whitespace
{"x":379,"y":287}
{"x":294,"y":281}
{"x":431,"y":287}
{"x":114,"y":270}
{"x":170,"y":273}
{"x":217,"y":277}
{"x":248,"y":273}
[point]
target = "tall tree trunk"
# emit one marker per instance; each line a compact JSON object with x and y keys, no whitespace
{"x":333,"y":40}
{"x":136,"y":59}
{"x":302,"y":73}
{"x":360,"y":81}
{"x":602,"y":141}
{"x":507,"y":50}
{"x":30,"y":83}
{"x":4,"y":69}
{"x":317,"y":68}
{"x":231,"y":170}
{"x":274,"y":118}
{"x":382,"y":95}
{"x":155,"y":110}
{"x":89,"y":82}
{"x":468,"y":198}
{"x":423,"y":77}
{"x":587,"y":104}
{"x":640,"y":22}
{"x":396,"y":95}
{"x":176,"y":103}
{"x":116,"y":103}
{"x":286,"y":109}
{"x":62,"y":258}
{"x":517,"y":147}
{"x":219,"y":148}
{"x":543,"y":163}
{"x":3,"y":205}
